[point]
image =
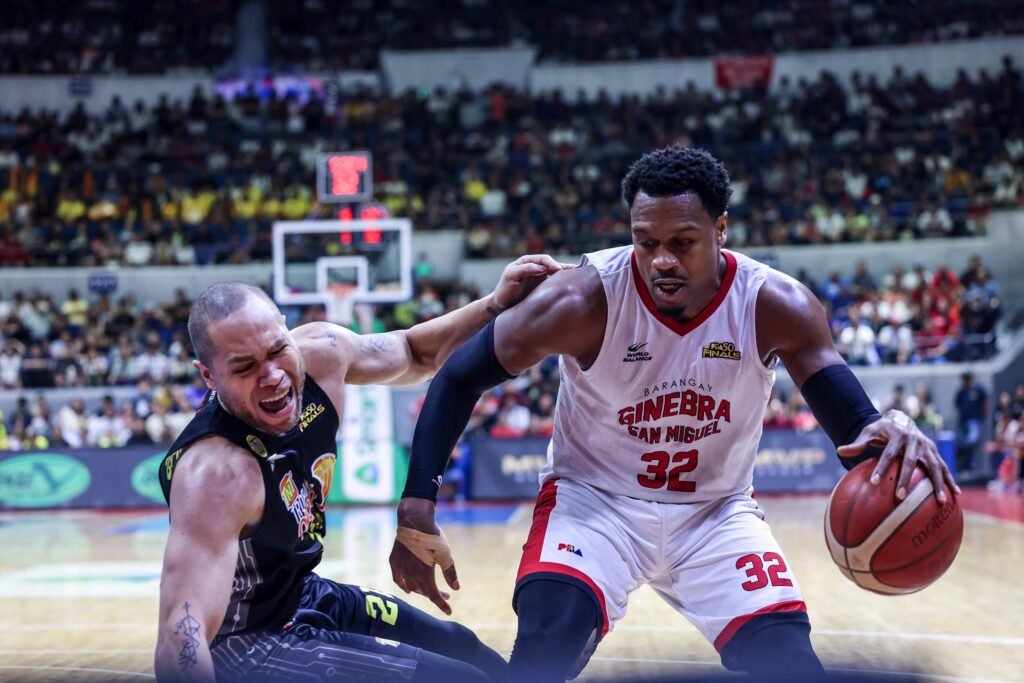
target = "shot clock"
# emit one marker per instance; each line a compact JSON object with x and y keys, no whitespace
{"x":344,"y":177}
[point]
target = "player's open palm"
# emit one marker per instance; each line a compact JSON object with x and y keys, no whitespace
{"x":901,"y":438}
{"x":419,"y":546}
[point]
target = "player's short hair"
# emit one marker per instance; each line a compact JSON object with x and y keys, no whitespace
{"x":677,"y":170}
{"x":216,"y":303}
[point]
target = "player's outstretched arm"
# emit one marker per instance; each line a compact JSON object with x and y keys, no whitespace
{"x":335,"y":355}
{"x":566,"y":315}
{"x":212,"y":499}
{"x":792,"y":325}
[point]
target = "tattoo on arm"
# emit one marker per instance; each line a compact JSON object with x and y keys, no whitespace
{"x":373,"y":343}
{"x":189,"y":628}
{"x":333,"y":337}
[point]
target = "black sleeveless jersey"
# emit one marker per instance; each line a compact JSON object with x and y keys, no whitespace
{"x":297,"y":470}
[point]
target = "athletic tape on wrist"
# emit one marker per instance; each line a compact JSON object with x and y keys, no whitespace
{"x":429,"y":549}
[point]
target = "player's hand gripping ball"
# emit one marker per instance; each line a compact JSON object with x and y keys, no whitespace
{"x":887,"y":545}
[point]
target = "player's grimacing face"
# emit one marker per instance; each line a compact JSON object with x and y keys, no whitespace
{"x":258,"y":371}
{"x":677,"y":245}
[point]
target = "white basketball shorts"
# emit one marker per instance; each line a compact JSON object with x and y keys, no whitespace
{"x":715,"y":562}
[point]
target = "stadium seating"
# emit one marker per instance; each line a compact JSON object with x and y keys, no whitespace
{"x":811,"y":163}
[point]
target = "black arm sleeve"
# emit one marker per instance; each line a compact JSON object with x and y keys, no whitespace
{"x":469,"y":372}
{"x":841,"y":407}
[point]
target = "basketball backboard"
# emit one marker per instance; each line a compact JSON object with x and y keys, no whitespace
{"x":311,"y":256}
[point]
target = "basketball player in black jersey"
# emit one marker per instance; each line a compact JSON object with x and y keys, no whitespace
{"x":246,"y":483}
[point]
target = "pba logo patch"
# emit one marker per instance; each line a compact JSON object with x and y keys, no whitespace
{"x":569,"y":548}
{"x":726,"y":350}
{"x":256,"y":445}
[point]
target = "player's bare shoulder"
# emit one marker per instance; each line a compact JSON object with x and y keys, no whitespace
{"x":782,"y":304}
{"x":571,"y":296}
{"x":789,"y":317}
{"x":565,"y":315}
{"x":219,"y":478}
{"x":784,"y":296}
{"x":323,"y":341}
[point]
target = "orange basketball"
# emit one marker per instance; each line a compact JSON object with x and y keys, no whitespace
{"x":886,"y":545}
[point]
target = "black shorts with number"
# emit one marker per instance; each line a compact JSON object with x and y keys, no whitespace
{"x":352,"y":634}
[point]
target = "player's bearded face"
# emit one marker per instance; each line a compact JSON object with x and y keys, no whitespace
{"x":677,"y":245}
{"x":258,"y":371}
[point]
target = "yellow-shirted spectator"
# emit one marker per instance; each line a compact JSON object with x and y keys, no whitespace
{"x":296,"y":205}
{"x":396,"y":204}
{"x":474,"y":189}
{"x":169,"y":210}
{"x":246,"y":205}
{"x":403,"y":204}
{"x":193,"y":208}
{"x":75,"y":310}
{"x":8,"y":200}
{"x":69,"y":208}
{"x":255,"y":191}
{"x":207,"y":198}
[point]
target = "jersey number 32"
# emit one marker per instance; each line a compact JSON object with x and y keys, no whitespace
{"x":660,"y":475}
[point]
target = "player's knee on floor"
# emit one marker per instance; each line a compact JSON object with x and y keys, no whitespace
{"x":559,"y":624}
{"x":455,"y":640}
{"x":396,"y":619}
{"x":772,"y":644}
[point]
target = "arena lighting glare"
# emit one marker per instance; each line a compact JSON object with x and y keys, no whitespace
{"x":344,"y":177}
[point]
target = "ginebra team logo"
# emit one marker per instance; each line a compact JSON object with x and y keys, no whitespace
{"x":299,"y":501}
{"x":323,"y":472}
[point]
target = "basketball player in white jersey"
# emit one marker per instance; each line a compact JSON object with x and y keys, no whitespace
{"x":667,"y":354}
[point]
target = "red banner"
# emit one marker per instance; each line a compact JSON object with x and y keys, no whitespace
{"x":743,"y":72}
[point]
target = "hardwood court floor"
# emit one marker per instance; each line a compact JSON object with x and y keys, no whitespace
{"x":78,"y":595}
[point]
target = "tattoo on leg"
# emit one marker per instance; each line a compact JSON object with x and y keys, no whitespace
{"x":333,"y":337}
{"x":189,"y":628}
{"x":373,"y":343}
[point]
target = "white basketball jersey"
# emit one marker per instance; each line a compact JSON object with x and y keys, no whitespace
{"x":669,"y":411}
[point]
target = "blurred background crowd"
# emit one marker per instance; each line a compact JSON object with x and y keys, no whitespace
{"x":201,"y":181}
{"x":907,"y":316}
{"x":160,"y":36}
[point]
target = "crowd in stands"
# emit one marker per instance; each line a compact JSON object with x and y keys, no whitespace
{"x":202,"y":181}
{"x":579,"y":31}
{"x":912,"y":316}
{"x":155,"y":414}
{"x":104,"y":36}
{"x":115,"y":36}
{"x":1006,"y":447}
{"x":909,"y":316}
{"x":790,"y":410}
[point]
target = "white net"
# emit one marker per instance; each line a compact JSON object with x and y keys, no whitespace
{"x":339,"y":303}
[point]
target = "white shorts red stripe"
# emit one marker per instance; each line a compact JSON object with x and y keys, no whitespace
{"x":736,"y":624}
{"x":715,"y":562}
{"x":532,"y":562}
